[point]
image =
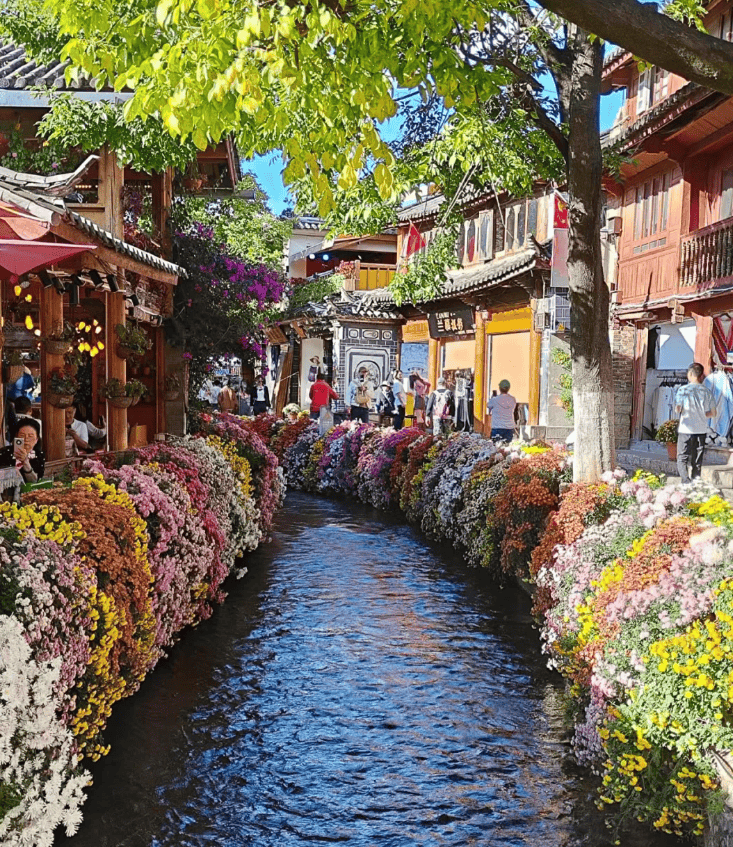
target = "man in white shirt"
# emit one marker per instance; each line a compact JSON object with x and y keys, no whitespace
{"x":501,"y":409}
{"x":694,"y":404}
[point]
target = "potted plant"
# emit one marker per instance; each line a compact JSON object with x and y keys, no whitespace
{"x":58,"y":343}
{"x":172,"y":387}
{"x":667,"y":434}
{"x":14,"y":364}
{"x":135,"y":389}
{"x":115,"y":392}
{"x":133,"y":342}
{"x":62,"y":387}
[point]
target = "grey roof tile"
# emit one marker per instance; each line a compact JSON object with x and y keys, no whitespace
{"x":19,"y":71}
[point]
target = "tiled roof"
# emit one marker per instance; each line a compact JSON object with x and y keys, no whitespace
{"x":56,"y":185}
{"x":309,"y":222}
{"x":464,"y":280}
{"x":18,"y":71}
{"x":431,"y":204}
{"x":345,"y":304}
{"x":690,"y":89}
{"x":122,"y":247}
{"x":51,"y":208}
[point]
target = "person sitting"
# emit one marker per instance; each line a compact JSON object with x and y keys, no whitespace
{"x":27,"y":457}
{"x":24,"y":408}
{"x":79,"y":431}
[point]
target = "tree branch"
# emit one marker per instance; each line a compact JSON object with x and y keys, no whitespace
{"x":654,"y":37}
{"x":546,"y":123}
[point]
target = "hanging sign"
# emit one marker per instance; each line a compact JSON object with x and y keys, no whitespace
{"x":456,"y":321}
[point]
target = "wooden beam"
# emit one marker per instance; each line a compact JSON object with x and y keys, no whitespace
{"x":54,"y":425}
{"x":116,"y":418}
{"x":104,"y":254}
{"x":479,"y":377}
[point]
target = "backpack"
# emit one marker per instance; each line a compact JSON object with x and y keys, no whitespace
{"x":362,"y":394}
{"x":441,"y":405}
{"x":387,"y":404}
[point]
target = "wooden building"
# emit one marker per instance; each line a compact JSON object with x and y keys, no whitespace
{"x":68,"y":269}
{"x":674,"y":219}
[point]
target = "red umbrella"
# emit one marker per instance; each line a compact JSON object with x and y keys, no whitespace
{"x":19,"y":257}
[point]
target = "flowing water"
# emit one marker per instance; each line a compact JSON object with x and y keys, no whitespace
{"x":360,"y":686}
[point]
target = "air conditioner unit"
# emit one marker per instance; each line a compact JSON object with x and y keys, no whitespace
{"x":615,"y":225}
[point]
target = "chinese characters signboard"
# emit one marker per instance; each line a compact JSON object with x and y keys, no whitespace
{"x":457,"y":321}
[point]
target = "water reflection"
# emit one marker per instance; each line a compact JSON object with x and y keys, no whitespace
{"x":359,"y":687}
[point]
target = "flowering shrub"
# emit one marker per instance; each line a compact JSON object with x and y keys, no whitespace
{"x":96,"y":581}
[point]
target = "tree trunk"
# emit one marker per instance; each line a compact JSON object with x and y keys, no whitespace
{"x":589,"y":298}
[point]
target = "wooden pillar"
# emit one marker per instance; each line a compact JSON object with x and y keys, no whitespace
{"x":433,"y":362}
{"x":639,"y":388}
{"x":479,"y":379}
{"x":162,"y":201}
{"x":535,"y":367}
{"x":116,"y":418}
{"x":160,"y":372}
{"x":111,"y":183}
{"x":704,"y":340}
{"x":54,"y":425}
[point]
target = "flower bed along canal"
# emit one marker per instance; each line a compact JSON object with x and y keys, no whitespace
{"x":360,"y":686}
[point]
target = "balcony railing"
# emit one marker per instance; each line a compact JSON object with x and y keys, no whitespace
{"x":707,"y":254}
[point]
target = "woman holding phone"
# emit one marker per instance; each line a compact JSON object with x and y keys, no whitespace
{"x":24,"y":450}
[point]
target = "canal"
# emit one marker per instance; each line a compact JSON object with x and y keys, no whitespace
{"x":360,"y":686}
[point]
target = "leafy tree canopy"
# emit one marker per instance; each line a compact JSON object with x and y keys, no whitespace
{"x":247,"y":227}
{"x":143,"y":144}
{"x":315,"y":79}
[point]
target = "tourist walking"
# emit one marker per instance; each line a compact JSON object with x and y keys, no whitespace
{"x":385,"y":402}
{"x":359,"y":397}
{"x":694,"y":403}
{"x":321,"y":393}
{"x":400,"y":398}
{"x":440,"y":409}
{"x":226,"y":400}
{"x":260,"y":397}
{"x":502,"y":410}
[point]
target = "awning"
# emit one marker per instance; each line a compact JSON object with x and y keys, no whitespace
{"x":19,"y":257}
{"x":17,"y":224}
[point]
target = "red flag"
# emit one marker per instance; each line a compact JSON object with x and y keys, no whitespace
{"x":561,"y":213}
{"x":414,"y":241}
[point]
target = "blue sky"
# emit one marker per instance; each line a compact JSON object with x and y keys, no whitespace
{"x":268,"y":169}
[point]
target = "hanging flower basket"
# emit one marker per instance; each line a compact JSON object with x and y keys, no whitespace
{"x":128,"y":353}
{"x":135,"y":401}
{"x":60,"y":401}
{"x":120,"y":402}
{"x":54,"y":347}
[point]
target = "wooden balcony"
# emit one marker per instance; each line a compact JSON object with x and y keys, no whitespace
{"x":706,"y":255}
{"x":367,"y":276}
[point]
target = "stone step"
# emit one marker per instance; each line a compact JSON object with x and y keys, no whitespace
{"x":719,"y":475}
{"x":550,"y":433}
{"x":657,"y":463}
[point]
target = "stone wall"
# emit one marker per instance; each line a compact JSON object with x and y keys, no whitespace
{"x":623,"y":342}
{"x":375,"y":345}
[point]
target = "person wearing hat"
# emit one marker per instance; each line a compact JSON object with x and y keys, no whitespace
{"x":502,"y":409}
{"x":440,"y":409}
{"x":359,"y":396}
